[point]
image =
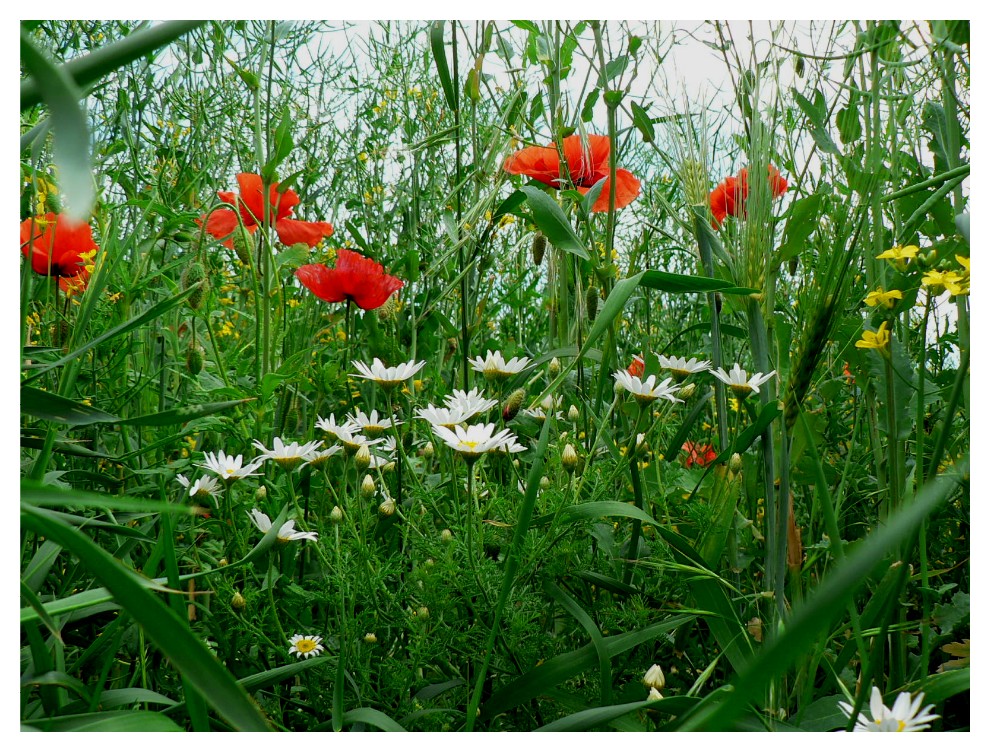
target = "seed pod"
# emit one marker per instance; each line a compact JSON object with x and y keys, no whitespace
{"x":592,"y":303}
{"x":194,"y":360}
{"x":799,"y":66}
{"x":195,"y":274}
{"x":539,"y":248}
{"x":510,"y":408}
{"x":244,"y":246}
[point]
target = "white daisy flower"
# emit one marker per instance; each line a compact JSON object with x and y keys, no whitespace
{"x":305,"y":646}
{"x":286,"y":533}
{"x":448,"y":417}
{"x":646,"y":390}
{"x":205,"y":486}
{"x":906,"y":715}
{"x":547,"y":406}
{"x":471,"y":403}
{"x":388,"y":376}
{"x":739,"y":382}
{"x":494,"y":366}
{"x":370,"y":425}
{"x":319,"y":459}
{"x":473,"y":441}
{"x":229,"y":467}
{"x":347,"y":433}
{"x":288,"y":456}
{"x":680,"y":368}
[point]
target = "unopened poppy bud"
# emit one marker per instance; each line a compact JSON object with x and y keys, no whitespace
{"x":194,"y":360}
{"x":195,"y":274}
{"x":554,"y":368}
{"x":799,"y":66}
{"x":446,"y":536}
{"x":336,"y":515}
{"x":238,"y":602}
{"x":544,"y":483}
{"x":572,"y":414}
{"x":423,"y":613}
{"x":362,"y":458}
{"x":261,"y":493}
{"x":687,"y":391}
{"x":735,"y":462}
{"x":244,"y":246}
{"x":591,"y":301}
{"x":539,"y":248}
{"x":370,"y":638}
{"x":388,"y":309}
{"x":386,"y":508}
{"x":654,"y":677}
{"x":513,"y":402}
{"x":569,"y":459}
{"x":368,"y":487}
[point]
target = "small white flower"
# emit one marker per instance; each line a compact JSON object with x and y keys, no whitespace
{"x":906,"y":715}
{"x":646,"y":390}
{"x":229,"y":467}
{"x":654,"y":677}
{"x":494,"y":366}
{"x":370,"y":425}
{"x":448,"y":417}
{"x":471,"y":403}
{"x":681,"y":368}
{"x":738,"y":381}
{"x":305,"y":646}
{"x":205,"y":486}
{"x":319,"y":459}
{"x":286,"y":533}
{"x":388,"y":376}
{"x":476,"y":440}
{"x":288,"y":456}
{"x":347,"y":433}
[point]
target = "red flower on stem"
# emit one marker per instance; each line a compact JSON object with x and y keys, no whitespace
{"x":55,"y":244}
{"x":637,"y":367}
{"x":701,"y":455}
{"x":354,"y":277}
{"x":729,"y":196}
{"x":585,"y":166}
{"x":251,"y":206}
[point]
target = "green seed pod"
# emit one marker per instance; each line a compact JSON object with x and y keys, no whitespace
{"x":592,"y":302}
{"x":799,"y":66}
{"x":243,"y":245}
{"x":539,"y":248}
{"x":194,"y":360}
{"x":195,"y":274}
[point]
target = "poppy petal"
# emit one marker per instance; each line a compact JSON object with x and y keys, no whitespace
{"x":375,"y":291}
{"x":221,"y":223}
{"x":541,"y":163}
{"x":322,"y":281}
{"x":292,"y":231}
{"x":626,"y":191}
{"x":251,"y":198}
{"x":587,"y":161}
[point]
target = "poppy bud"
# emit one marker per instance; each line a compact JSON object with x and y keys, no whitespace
{"x":362,"y":458}
{"x":194,"y":360}
{"x":238,"y":602}
{"x":569,"y":459}
{"x":512,"y":404}
{"x":572,"y":414}
{"x":539,"y":248}
{"x":336,"y":515}
{"x":554,"y":368}
{"x":799,"y":66}
{"x":591,"y":300}
{"x":388,"y":309}
{"x":194,"y":275}
{"x":244,"y":246}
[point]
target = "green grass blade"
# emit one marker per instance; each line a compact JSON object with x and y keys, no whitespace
{"x":372,"y":717}
{"x":604,"y":659}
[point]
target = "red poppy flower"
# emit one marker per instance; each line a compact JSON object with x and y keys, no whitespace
{"x":55,"y":246}
{"x":637,"y":367}
{"x":729,"y":196}
{"x":355,"y":277}
{"x":586,"y":166}
{"x":251,"y":205}
{"x":701,"y":455}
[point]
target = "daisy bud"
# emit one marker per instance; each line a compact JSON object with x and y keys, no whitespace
{"x":223,"y":562}
{"x":428,"y":450}
{"x":654,"y":677}
{"x":362,"y":458}
{"x":370,"y":638}
{"x":569,"y":459}
{"x":654,"y":694}
{"x":261,"y":494}
{"x":386,"y":508}
{"x":367,"y":487}
{"x":572,"y":414}
{"x":195,"y":274}
{"x":687,"y":391}
{"x":238,"y":602}
{"x":244,"y":246}
{"x":510,"y":408}
{"x":554,"y":368}
{"x":422,"y":613}
{"x":336,"y":515}
{"x":194,"y":360}
{"x":735,"y":462}
{"x":539,"y":248}
{"x":591,"y":301}
{"x":446,"y":536}
{"x":544,"y":483}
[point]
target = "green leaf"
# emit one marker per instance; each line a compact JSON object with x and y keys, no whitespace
{"x":604,"y":659}
{"x":682,"y":283}
{"x":182,"y":414}
{"x":613,"y":68}
{"x":372,"y":717}
{"x":802,"y":220}
{"x":117,"y":720}
{"x":550,"y":218}
{"x":819,"y":121}
{"x":641,"y":120}
{"x":527,"y":25}
{"x":69,"y":124}
{"x":588,"y":110}
{"x":185,"y":650}
{"x":592,"y":717}
{"x":50,"y":406}
{"x":440,"y":58}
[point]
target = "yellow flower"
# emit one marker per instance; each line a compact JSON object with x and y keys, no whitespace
{"x":879,"y":340}
{"x":899,"y":255}
{"x":963,"y":262}
{"x":886,"y":299}
{"x":954,"y":282}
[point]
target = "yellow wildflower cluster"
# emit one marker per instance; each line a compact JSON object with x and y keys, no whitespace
{"x":879,"y":340}
{"x":955,"y":282}
{"x":227,"y":327}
